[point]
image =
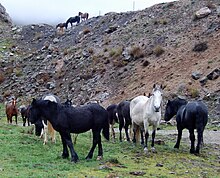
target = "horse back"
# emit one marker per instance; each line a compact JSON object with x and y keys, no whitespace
{"x":192,"y":115}
{"x":83,"y":118}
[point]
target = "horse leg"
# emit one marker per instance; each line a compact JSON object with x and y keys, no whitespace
{"x":45,"y":128}
{"x":67,"y":141}
{"x":153,"y":137}
{"x":146,"y":135}
{"x":100,"y":151}
{"x":177,"y":145}
{"x":16,"y":119}
{"x":192,"y":139}
{"x":113,"y":131}
{"x":52,"y":132}
{"x":134,"y":132}
{"x":142,"y":136}
{"x":126,"y":132}
{"x":200,"y":139}
{"x":96,"y":135}
{"x":121,"y":124}
{"x":24,"y":120}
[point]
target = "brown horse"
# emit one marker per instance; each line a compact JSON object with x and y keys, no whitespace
{"x":11,"y":110}
{"x":61,"y":26}
{"x":84,"y":16}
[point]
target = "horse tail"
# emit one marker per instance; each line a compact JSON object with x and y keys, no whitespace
{"x":66,"y":24}
{"x":105,"y":130}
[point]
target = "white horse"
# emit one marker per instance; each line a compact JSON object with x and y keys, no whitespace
{"x":146,"y":111}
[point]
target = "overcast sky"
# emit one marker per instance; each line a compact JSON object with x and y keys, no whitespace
{"x":56,"y":11}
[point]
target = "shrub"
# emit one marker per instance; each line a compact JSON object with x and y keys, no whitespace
{"x":85,"y":31}
{"x":2,"y":77}
{"x":158,"y":50}
{"x":200,"y":47}
{"x":136,"y":52}
{"x":193,"y":92}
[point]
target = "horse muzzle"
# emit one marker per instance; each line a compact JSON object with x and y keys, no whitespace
{"x":156,"y":109}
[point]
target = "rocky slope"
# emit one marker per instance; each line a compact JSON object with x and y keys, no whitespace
{"x":117,"y":56}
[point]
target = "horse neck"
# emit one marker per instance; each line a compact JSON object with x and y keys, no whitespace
{"x":178,"y":104}
{"x":151,"y":102}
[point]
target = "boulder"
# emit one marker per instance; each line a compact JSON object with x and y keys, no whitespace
{"x":203,"y":12}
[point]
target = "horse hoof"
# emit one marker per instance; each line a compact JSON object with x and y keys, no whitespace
{"x":145,"y":150}
{"x":153,"y":150}
{"x":74,"y":160}
{"x":99,"y":158}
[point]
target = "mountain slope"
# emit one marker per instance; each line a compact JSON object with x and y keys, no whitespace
{"x":119,"y":56}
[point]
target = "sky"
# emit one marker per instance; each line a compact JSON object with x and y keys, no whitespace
{"x":25,"y":12}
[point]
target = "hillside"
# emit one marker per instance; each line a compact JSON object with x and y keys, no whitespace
{"x":117,"y":56}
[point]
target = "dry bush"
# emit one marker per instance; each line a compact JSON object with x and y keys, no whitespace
{"x":38,"y":35}
{"x":200,"y":47}
{"x":86,"y":31}
{"x":158,"y":50}
{"x":2,"y":77}
{"x":194,"y":93}
{"x":91,"y":51}
{"x":136,"y":52}
{"x":116,"y":52}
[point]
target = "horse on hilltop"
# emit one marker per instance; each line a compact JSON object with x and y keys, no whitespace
{"x":84,"y":16}
{"x":72,"y":20}
{"x":61,"y":26}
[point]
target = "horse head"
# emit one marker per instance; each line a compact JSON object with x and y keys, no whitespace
{"x":157,"y":97}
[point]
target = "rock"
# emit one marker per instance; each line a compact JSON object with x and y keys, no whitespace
{"x":203,"y":12}
{"x":196,"y":75}
{"x":111,"y":29}
{"x":4,"y":15}
{"x":56,"y":40}
{"x":214,"y":74}
{"x":203,"y":81}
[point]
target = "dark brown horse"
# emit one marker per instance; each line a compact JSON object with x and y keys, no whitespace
{"x":25,"y":115}
{"x":61,"y":26}
{"x":84,"y":16}
{"x":11,"y":110}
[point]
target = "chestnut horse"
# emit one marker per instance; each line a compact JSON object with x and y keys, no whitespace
{"x":61,"y":26}
{"x":11,"y":110}
{"x":84,"y":16}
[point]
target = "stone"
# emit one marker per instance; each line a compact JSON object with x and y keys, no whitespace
{"x":203,"y":12}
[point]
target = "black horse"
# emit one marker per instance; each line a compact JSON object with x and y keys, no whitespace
{"x":189,"y":115}
{"x":123,"y":111}
{"x":112,"y":117}
{"x":25,"y":115}
{"x":72,"y":20}
{"x":68,"y":120}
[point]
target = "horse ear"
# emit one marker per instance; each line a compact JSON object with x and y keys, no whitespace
{"x":154,"y":85}
{"x":34,"y":101}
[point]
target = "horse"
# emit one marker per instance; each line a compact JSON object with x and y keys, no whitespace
{"x":11,"y":110}
{"x":25,"y":115}
{"x":66,"y":120}
{"x":142,"y":98}
{"x":72,"y":20}
{"x":112,"y":117}
{"x":189,"y":115}
{"x":84,"y":16}
{"x":61,"y":26}
{"x":145,"y":112}
{"x":123,"y":111}
{"x":47,"y":127}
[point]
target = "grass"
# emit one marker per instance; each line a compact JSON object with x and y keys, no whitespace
{"x":24,"y":155}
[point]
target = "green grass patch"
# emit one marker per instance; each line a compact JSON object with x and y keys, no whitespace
{"x":24,"y":155}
